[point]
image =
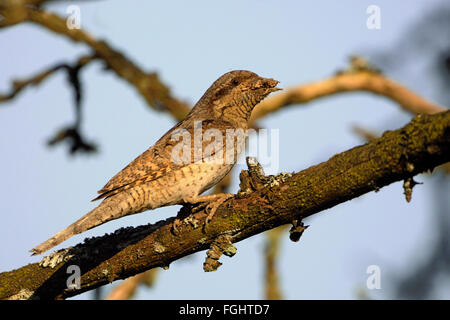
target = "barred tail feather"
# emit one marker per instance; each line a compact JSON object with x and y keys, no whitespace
{"x":105,"y":212}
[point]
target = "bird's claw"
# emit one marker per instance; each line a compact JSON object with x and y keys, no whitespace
{"x":212,"y":206}
{"x":209,"y":203}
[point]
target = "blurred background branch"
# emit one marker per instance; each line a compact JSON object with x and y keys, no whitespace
{"x":127,"y":289}
{"x":273,"y":237}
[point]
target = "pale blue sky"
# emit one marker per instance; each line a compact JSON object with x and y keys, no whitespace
{"x":190,"y":44}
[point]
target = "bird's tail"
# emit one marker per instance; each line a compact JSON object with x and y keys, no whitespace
{"x":108,"y":210}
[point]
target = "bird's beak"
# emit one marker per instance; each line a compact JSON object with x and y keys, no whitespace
{"x":274,"y":89}
{"x":268,"y":83}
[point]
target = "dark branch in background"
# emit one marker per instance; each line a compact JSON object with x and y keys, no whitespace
{"x":19,"y":85}
{"x":421,"y":145}
{"x":71,"y":134}
{"x":271,"y":254}
{"x":156,"y":94}
{"x":149,"y":86}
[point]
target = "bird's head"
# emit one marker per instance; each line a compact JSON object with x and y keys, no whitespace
{"x":242,"y":86}
{"x":235,"y":94}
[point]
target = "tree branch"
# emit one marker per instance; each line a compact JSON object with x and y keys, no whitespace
{"x":421,"y":145}
{"x":19,"y":85}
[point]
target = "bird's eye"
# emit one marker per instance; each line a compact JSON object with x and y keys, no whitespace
{"x":235,"y":82}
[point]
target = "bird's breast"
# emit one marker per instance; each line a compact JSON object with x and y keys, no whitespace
{"x":196,"y":178}
{"x":189,"y":181}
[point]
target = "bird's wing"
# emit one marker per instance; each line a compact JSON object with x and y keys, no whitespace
{"x":157,"y":161}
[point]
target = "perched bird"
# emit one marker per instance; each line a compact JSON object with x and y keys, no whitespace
{"x":184,"y":162}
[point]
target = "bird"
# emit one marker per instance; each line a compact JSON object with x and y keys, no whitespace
{"x":178,"y":169}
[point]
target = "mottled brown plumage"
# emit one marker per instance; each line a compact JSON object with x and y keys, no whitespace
{"x":158,"y":178}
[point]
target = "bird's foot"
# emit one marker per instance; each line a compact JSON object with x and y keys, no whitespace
{"x":215,"y":204}
{"x":212,"y":202}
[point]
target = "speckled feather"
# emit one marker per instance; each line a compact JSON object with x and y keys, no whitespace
{"x":156,"y":161}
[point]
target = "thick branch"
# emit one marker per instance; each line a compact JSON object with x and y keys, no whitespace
{"x":421,"y":145}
